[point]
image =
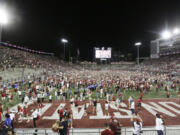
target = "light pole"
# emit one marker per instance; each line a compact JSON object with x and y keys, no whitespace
{"x":64,"y":41}
{"x":138,"y":44}
{"x":3,"y":20}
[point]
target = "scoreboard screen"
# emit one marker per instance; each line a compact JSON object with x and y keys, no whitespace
{"x":102,"y":53}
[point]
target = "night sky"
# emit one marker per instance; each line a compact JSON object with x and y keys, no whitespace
{"x":113,"y":23}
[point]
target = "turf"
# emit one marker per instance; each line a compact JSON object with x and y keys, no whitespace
{"x":126,"y":93}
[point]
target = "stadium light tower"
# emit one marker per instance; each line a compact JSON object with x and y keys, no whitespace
{"x":138,"y":44}
{"x":64,"y":41}
{"x":3,"y":20}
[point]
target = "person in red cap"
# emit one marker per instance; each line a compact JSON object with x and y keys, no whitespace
{"x":107,"y":131}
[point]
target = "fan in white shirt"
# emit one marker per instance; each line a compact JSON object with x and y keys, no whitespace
{"x":37,"y":87}
{"x":106,"y":108}
{"x":159,"y":124}
{"x":137,"y":125}
{"x":35,"y":114}
{"x":19,"y":93}
{"x":12,"y":115}
{"x":26,"y":99}
{"x":132,"y":107}
{"x":137,"y":128}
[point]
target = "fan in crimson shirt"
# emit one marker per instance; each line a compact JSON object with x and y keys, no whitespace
{"x":107,"y":131}
{"x":167,"y":94}
{"x":47,"y":91}
{"x":25,"y":111}
{"x":3,"y":95}
{"x":140,"y":95}
{"x":1,"y":107}
{"x":60,"y":111}
{"x":20,"y":108}
{"x":0,"y":116}
{"x":113,"y":125}
{"x":76,"y":103}
{"x":15,"y":90}
{"x":114,"y":98}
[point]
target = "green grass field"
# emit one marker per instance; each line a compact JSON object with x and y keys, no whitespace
{"x":126,"y":93}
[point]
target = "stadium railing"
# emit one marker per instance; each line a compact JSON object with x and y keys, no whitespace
{"x":97,"y":131}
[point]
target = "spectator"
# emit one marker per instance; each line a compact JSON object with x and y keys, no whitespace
{"x":139,"y":104}
{"x":7,"y":122}
{"x":179,"y":94}
{"x":70,"y":122}
{"x":35,"y":117}
{"x":113,"y":125}
{"x":95,"y":105}
{"x":61,"y":112}
{"x":7,"y":125}
{"x":159,"y":124}
{"x":64,"y":123}
{"x":12,"y":117}
{"x":50,"y":98}
{"x":107,"y":131}
{"x":132,"y":107}
{"x":106,"y":108}
{"x":137,"y":126}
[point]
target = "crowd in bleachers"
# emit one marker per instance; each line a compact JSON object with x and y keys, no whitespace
{"x":167,"y":64}
{"x":11,"y":58}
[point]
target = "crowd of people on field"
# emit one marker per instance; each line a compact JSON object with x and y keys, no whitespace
{"x":77,"y":86}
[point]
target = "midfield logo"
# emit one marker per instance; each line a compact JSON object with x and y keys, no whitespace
{"x":170,"y":109}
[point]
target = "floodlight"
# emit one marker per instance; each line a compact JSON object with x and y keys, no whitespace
{"x":3,"y":16}
{"x":176,"y":31}
{"x":166,"y":34}
{"x":138,"y":44}
{"x":64,"y":40}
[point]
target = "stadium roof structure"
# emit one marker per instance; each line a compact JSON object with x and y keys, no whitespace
{"x":160,"y":47}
